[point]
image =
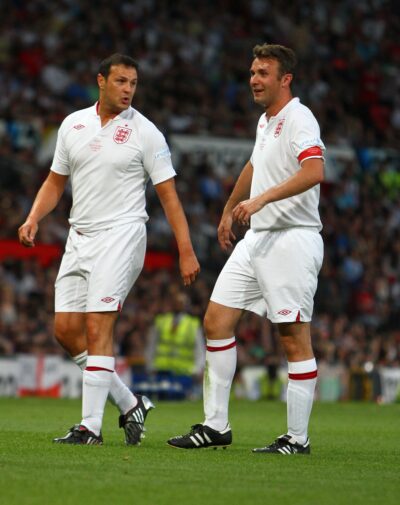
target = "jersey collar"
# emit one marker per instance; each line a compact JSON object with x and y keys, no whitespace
{"x":125,"y":114}
{"x":292,"y":103}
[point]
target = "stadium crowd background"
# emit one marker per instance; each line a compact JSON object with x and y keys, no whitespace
{"x":194,"y":58}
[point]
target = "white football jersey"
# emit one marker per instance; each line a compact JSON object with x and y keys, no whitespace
{"x":109,"y":166}
{"x":282,"y":143}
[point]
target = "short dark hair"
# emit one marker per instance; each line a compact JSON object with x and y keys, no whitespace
{"x":116,"y":59}
{"x":284,"y":55}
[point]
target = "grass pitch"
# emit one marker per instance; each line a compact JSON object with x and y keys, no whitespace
{"x":354,"y":460}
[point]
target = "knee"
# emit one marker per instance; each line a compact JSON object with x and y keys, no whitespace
{"x":215,"y":328}
{"x":297,"y":349}
{"x":99,"y":331}
{"x":92,"y":331}
{"x":208,"y":324}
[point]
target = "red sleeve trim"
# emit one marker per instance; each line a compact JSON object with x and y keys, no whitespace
{"x":311,"y":152}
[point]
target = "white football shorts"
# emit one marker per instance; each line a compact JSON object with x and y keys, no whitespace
{"x":273,"y":273}
{"x":99,"y":268}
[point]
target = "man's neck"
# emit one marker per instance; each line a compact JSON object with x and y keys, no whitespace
{"x":105,"y":114}
{"x":276,"y":107}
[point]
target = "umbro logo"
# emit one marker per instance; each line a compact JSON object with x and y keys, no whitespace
{"x":79,"y":126}
{"x":107,"y":299}
{"x":285,"y":312}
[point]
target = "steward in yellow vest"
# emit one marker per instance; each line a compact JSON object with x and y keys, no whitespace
{"x":176,"y":345}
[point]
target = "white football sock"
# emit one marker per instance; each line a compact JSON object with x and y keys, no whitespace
{"x":218,"y":376}
{"x":300,"y":397}
{"x":80,"y":360}
{"x":95,"y":388}
{"x":119,"y":395}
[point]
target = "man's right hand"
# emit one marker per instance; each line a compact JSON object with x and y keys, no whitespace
{"x":225,"y":233}
{"x":27,"y":233}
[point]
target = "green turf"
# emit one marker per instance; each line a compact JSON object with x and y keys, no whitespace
{"x":354,"y":460}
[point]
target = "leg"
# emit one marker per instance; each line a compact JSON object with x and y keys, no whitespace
{"x":296,"y":340}
{"x":99,"y":327}
{"x":292,"y":261}
{"x":99,"y":369}
{"x":73,"y":330}
{"x":219,"y":323}
{"x":99,"y":333}
{"x":70,"y":331}
{"x":236,"y":290}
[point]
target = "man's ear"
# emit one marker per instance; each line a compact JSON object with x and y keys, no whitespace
{"x":101,"y":81}
{"x":287,"y":80}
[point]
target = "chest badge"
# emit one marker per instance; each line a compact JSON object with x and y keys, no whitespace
{"x":278,"y":128}
{"x":122,"y":135}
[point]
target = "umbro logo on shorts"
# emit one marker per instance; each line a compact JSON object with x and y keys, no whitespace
{"x":285,"y":312}
{"x":107,"y":299}
{"x":79,"y":126}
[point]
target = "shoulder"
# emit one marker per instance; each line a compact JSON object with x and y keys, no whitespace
{"x":300,"y":113}
{"x":145,"y":125}
{"x":148,"y":132}
{"x":75,"y":118}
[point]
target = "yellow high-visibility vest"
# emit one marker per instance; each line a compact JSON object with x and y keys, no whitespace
{"x":175,"y":350}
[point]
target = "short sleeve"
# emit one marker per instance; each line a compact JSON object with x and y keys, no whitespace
{"x":60,"y":164}
{"x":305,"y":137}
{"x":157,"y":157}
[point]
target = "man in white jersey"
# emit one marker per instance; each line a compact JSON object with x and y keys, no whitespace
{"x":109,"y":151}
{"x":273,"y":270}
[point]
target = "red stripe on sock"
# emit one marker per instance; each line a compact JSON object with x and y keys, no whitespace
{"x":97,"y":368}
{"x":222,"y":348}
{"x":303,"y":376}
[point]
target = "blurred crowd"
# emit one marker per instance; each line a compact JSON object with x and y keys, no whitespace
{"x":194,"y":59}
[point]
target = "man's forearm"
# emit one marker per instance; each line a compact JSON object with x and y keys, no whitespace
{"x":310,"y":174}
{"x":47,"y":198}
{"x":241,"y":191}
{"x":177,"y":220}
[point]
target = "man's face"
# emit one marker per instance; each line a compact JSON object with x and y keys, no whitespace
{"x":265,"y":82}
{"x":117,"y":90}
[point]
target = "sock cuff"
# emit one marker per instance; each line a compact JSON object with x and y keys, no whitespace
{"x":80,"y":359}
{"x":303,"y":370}
{"x":221,"y":344}
{"x":106,"y":363}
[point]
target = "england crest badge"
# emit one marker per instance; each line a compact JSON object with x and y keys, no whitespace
{"x":122,"y":135}
{"x":278,"y":128}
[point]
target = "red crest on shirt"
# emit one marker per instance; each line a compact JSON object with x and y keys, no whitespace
{"x":278,"y":128}
{"x":122,"y":135}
